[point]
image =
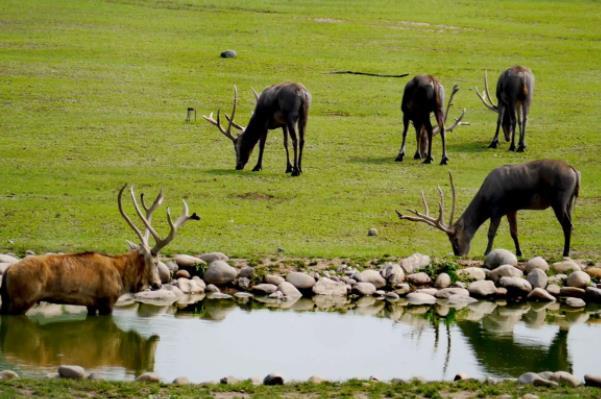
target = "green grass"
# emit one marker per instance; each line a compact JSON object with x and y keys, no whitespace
{"x":93,"y":94}
{"x":53,"y":388}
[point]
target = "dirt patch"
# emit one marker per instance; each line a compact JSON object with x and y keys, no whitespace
{"x":327,"y":21}
{"x":255,"y":196}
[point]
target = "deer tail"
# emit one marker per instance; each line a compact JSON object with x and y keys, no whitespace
{"x":576,"y":190}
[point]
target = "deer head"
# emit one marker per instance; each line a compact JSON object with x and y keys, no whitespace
{"x":455,"y":231}
{"x":151,"y":255}
{"x":487,"y":101}
{"x":241,"y":156}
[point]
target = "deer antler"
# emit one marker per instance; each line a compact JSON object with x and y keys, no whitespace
{"x":174,"y":226}
{"x":425,"y":217}
{"x":458,"y":120}
{"x":149,"y":210}
{"x":226,"y":132}
{"x":131,"y":224}
{"x":256,"y":94}
{"x":485,"y":96}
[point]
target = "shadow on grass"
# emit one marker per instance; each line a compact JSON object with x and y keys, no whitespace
{"x":374,"y":160}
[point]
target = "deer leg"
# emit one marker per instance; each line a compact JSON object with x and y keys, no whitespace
{"x":92,"y":310}
{"x":428,"y":126}
{"x":288,"y":165}
{"x":492,"y":232}
{"x":562,"y":213}
{"x":259,"y":164}
{"x":301,"y":144}
{"x":292,"y":131}
{"x":522,"y":143}
{"x":420,"y":139}
{"x":511,"y":112}
{"x":513,"y":230}
{"x":495,"y":140}
{"x":440,"y":122}
{"x":399,"y":158}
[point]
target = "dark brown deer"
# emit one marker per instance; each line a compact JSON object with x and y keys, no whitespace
{"x":282,"y":105}
{"x":422,"y":96}
{"x":514,"y":95}
{"x":91,"y":279}
{"x":506,"y":190}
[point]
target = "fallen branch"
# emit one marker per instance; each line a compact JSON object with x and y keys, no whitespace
{"x":368,"y":74}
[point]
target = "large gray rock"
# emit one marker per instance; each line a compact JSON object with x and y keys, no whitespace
{"x":273,"y":379}
{"x":364,"y":288}
{"x":300,"y":280}
{"x":420,"y":298}
{"x":219,"y":273}
{"x":482,"y":288}
{"x":579,"y":279}
{"x":274,"y":279}
{"x":164,"y":272}
{"x":566,"y":266}
{"x":539,"y":294}
{"x":415,"y":262}
{"x":419,"y":278}
{"x":372,"y":276}
{"x":265,"y":289}
{"x":471,"y":273}
{"x":538,"y":278}
{"x":72,"y":372}
{"x":537,"y":263}
{"x":393,"y":273}
{"x":575,"y":302}
{"x":184,"y":260}
{"x":443,"y":280}
{"x":213,"y":256}
{"x":516,"y":284}
{"x":504,"y":271}
{"x":326,"y":286}
{"x":290,"y":292}
{"x":498,"y":257}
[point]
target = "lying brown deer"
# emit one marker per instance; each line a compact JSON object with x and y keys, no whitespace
{"x":514,"y":95}
{"x":91,"y":279}
{"x":507,"y":189}
{"x":282,"y":105}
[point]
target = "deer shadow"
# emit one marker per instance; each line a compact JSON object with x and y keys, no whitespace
{"x":373,"y":160}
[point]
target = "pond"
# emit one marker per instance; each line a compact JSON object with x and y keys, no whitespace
{"x":333,"y":340}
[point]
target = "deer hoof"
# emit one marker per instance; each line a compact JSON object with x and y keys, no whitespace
{"x":289,"y":169}
{"x":521,"y":148}
{"x":512,"y":148}
{"x":428,"y":160}
{"x":493,"y":144}
{"x":444,"y":161}
{"x":417,"y":156}
{"x":257,"y":168}
{"x":399,"y":158}
{"x":296,"y":172}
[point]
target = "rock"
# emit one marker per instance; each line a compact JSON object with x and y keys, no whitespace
{"x":565,"y":378}
{"x":575,"y":302}
{"x":300,"y":280}
{"x":403,"y":289}
{"x":535,"y":379}
{"x":364,"y":288}
{"x":162,"y":295}
{"x":273,"y":379}
{"x":529,"y":396}
{"x":211,"y":288}
{"x":274,"y":279}
{"x":219,"y":273}
{"x":516,"y":285}
{"x":592,"y":380}
{"x":372,"y":276}
{"x":539,"y":294}
{"x":420,"y":278}
{"x":443,"y":280}
{"x":429,"y":291}
{"x":579,"y":279}
{"x":289,"y":291}
{"x":504,"y":271}
{"x":537,"y":263}
{"x":572,"y":291}
{"x":482,"y":288}
{"x":415,"y":262}
{"x":594,"y":272}
{"x":447,"y":292}
{"x":183,"y":260}
{"x":164,"y":272}
{"x":4,"y":258}
{"x":593,"y":294}
{"x":326,"y":286}
{"x":182,"y":273}
{"x":181,"y":381}
{"x":471,"y":273}
{"x":460,"y":300}
{"x":244,"y":283}
{"x":213,"y":256}
{"x":553,"y":289}
{"x":6,"y":375}
{"x":537,"y":278}
{"x":372,"y":232}
{"x":228,"y":54}
{"x":392,"y":296}
{"x":265,"y":289}
{"x":247,"y":272}
{"x":218,"y":295}
{"x":420,"y":298}
{"x":558,"y":279}
{"x":315,"y":379}
{"x":461,"y":377}
{"x":393,"y":273}
{"x":229,"y":380}
{"x":148,"y":377}
{"x":565,"y":266}
{"x":72,"y":372}
{"x":197,"y":285}
{"x":243,"y":295}
{"x":498,"y":257}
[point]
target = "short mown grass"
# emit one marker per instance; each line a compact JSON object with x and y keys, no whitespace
{"x":93,"y":95}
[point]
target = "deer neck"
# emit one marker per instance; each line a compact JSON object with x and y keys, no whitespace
{"x":253,"y":132}
{"x":131,"y":269}
{"x":476,"y":213}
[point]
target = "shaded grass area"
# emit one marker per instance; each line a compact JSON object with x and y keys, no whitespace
{"x":350,"y":389}
{"x":94,"y":95}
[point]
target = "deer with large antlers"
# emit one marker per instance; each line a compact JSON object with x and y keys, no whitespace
{"x":507,"y":189}
{"x":284,"y":105}
{"x":422,"y":96}
{"x":514,"y":95}
{"x":92,"y":279}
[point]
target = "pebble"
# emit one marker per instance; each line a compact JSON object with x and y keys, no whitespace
{"x":482,"y":288}
{"x":565,"y":266}
{"x":72,"y":372}
{"x":289,"y":291}
{"x":182,"y":273}
{"x":273,"y":379}
{"x":578,"y":279}
{"x":184,"y":260}
{"x":594,"y":272}
{"x":181,"y":381}
{"x":275,"y":279}
{"x":537,"y":278}
{"x":504,"y":271}
{"x":364,"y":288}
{"x":247,"y":272}
{"x":300,"y":280}
{"x":148,"y":377}
{"x":447,"y":292}
{"x":537,"y":263}
{"x":575,"y":302}
{"x":516,"y":284}
{"x":572,"y":291}
{"x":419,"y":298}
{"x":393,"y":273}
{"x":219,"y":273}
{"x":6,"y":375}
{"x":554,"y":289}
{"x":472,"y":273}
{"x":443,"y":280}
{"x":228,"y":54}
{"x":541,"y":294}
{"x":372,"y":232}
{"x":565,"y":378}
{"x":326,"y":286}
{"x":265,"y":289}
{"x":372,"y":276}
{"x":415,"y":262}
{"x":593,"y":294}
{"x":419,"y":278}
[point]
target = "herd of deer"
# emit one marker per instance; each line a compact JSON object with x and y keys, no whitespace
{"x":96,"y":280}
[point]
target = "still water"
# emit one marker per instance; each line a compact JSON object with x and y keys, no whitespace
{"x":335,"y":341}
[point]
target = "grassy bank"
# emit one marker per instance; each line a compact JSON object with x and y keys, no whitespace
{"x":94,"y":95}
{"x":351,"y":389}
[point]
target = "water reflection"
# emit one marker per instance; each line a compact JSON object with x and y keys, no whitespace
{"x":331,"y":337}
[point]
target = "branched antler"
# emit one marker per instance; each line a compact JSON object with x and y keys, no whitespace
{"x":485,"y":96}
{"x":217,"y":123}
{"x":458,"y":120}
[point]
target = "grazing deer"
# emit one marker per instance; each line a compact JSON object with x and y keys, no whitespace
{"x":282,"y":105}
{"x":507,"y":189}
{"x":91,"y":279}
{"x":514,"y":94}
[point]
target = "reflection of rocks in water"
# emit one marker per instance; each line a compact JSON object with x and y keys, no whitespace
{"x":46,"y":309}
{"x":303,"y":305}
{"x":91,"y":342}
{"x":210,"y":309}
{"x":330,"y":302}
{"x":369,"y":306}
{"x":148,"y":310}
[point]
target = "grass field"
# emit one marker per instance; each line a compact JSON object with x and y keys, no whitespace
{"x":93,"y":94}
